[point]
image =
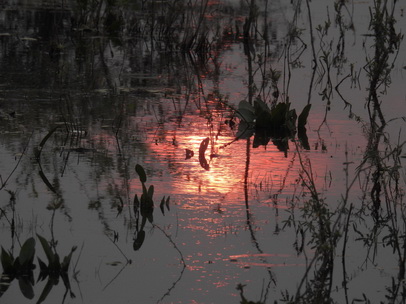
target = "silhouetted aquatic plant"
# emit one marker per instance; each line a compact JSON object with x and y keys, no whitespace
{"x":144,"y":206}
{"x":54,"y":270}
{"x":278,"y":123}
{"x":22,"y":266}
{"x":244,"y":300}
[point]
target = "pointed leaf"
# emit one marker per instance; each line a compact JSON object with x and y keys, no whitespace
{"x":27,"y":252}
{"x":47,"y":289}
{"x":279,"y":114}
{"x":139,"y":240}
{"x":151,"y":192}
{"x":263,"y":114}
{"x":245,"y":111}
{"x":47,"y":249}
{"x":144,"y":190}
{"x":5,"y":282}
{"x":261,"y":107}
{"x":43,"y":270}
{"x":304,"y":140}
{"x":202,"y":149}
{"x":56,"y":265}
{"x":244,"y":130}
{"x":26,"y":287}
{"x":161,"y":205}
{"x":189,"y":153}
{"x":203,"y":146}
{"x":141,"y":173}
{"x":136,"y":203}
{"x":302,"y":120}
{"x":245,"y":105}
{"x":167,"y":203}
{"x":7,"y":261}
{"x":66,"y":262}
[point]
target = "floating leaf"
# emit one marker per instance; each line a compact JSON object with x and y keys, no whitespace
{"x":245,"y":105}
{"x":246,"y":111}
{"x":139,"y":240}
{"x":27,"y":253}
{"x":189,"y":154}
{"x":303,"y":138}
{"x":5,"y":282}
{"x":263,"y":115}
{"x":47,"y":249}
{"x":244,"y":130}
{"x":43,"y":270}
{"x":279,"y":115}
{"x":202,"y":149}
{"x":151,"y":191}
{"x":260,"y":106}
{"x":161,"y":205}
{"x":26,"y":287}
{"x":136,"y":203}
{"x":66,"y":260}
{"x":7,"y":261}
{"x":141,"y":173}
{"x":167,"y":203}
{"x":47,"y":289}
{"x":302,"y":120}
{"x":203,"y":145}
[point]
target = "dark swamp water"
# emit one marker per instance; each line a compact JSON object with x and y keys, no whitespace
{"x":202,"y":151}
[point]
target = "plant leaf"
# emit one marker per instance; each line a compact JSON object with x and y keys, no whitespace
{"x":66,"y":260}
{"x":202,"y":149}
{"x":7,"y":261}
{"x":47,"y":249}
{"x":139,"y":240}
{"x":27,"y":252}
{"x":47,"y":289}
{"x":151,"y":192}
{"x":161,"y":205}
{"x":167,"y":203}
{"x":279,"y":114}
{"x":136,"y":203}
{"x":246,"y":111}
{"x":263,"y":115}
{"x":26,"y":287}
{"x":141,"y":173}
{"x":5,"y":282}
{"x":302,"y":120}
{"x":43,"y":270}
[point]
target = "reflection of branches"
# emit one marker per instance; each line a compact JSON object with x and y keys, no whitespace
{"x":181,"y":258}
{"x":172,"y":242}
{"x":4,"y":183}
{"x":128,"y":261}
{"x":248,"y":215}
{"x":115,"y":277}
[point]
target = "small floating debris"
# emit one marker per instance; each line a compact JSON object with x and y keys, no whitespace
{"x":189,"y":153}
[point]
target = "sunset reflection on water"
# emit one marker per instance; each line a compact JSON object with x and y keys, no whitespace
{"x":215,"y":199}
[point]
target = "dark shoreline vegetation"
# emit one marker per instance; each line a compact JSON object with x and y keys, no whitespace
{"x":132,"y":132}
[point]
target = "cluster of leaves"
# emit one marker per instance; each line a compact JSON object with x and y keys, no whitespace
{"x":145,"y":206}
{"x":277,"y":123}
{"x":22,"y":266}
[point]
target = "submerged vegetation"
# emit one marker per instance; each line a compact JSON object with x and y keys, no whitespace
{"x":90,"y":89}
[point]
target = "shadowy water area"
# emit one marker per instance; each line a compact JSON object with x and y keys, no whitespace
{"x":202,"y":151}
